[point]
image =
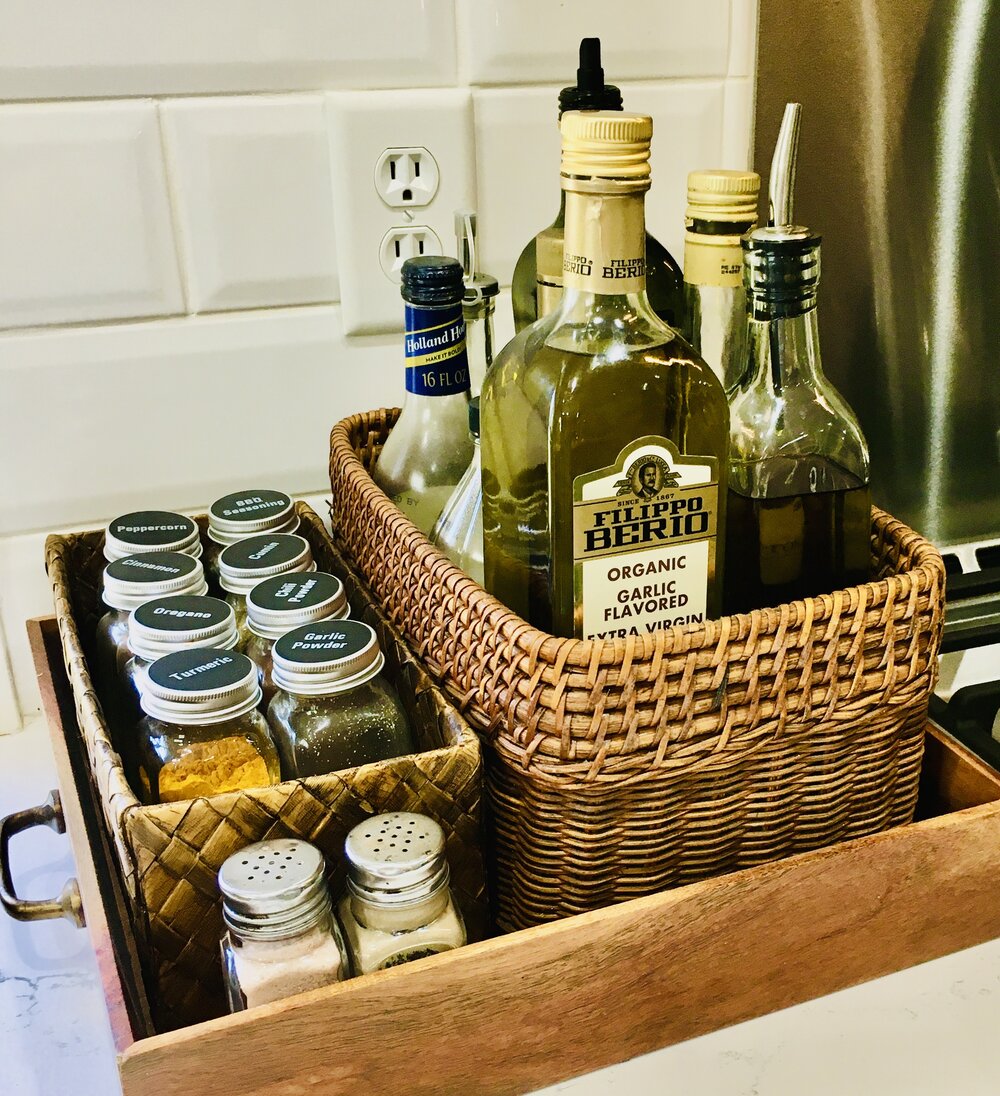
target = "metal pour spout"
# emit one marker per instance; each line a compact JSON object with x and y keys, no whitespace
{"x":781,"y":184}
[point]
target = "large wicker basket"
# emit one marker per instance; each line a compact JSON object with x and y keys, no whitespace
{"x":170,"y":853}
{"x":617,"y":768}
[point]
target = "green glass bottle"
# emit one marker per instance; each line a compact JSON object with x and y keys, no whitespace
{"x":604,"y":435}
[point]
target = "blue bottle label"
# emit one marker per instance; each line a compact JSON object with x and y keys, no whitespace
{"x":434,"y":345}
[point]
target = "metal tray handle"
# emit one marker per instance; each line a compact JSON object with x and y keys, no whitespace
{"x":68,"y":904}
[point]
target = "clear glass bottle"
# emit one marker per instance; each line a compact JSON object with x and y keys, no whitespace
{"x":202,"y":733}
{"x":429,"y":447}
{"x":537,"y":284}
{"x":283,"y":602}
{"x":478,"y":303}
{"x":399,"y":906}
{"x":721,"y":207}
{"x":459,"y":530}
{"x":281,"y":937}
{"x":799,"y":506}
{"x":128,"y":582}
{"x":334,"y":708}
{"x":249,"y":561}
{"x":243,"y":514}
{"x":604,"y":435}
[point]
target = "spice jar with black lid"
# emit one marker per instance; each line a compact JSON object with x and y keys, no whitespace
{"x":243,"y":514}
{"x":151,"y":531}
{"x":249,"y":561}
{"x":334,"y":707}
{"x":398,"y":905}
{"x":128,"y":582}
{"x":281,"y":935}
{"x":283,"y":602}
{"x":202,"y":733}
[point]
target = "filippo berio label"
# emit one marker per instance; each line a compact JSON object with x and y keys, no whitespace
{"x":434,"y":346}
{"x":644,"y":540}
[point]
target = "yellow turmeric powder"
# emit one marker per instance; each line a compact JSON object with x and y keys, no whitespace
{"x":208,"y":768}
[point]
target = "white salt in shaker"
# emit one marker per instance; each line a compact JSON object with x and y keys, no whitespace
{"x":282,"y":936}
{"x":398,"y":905}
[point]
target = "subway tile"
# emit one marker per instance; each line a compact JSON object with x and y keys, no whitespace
{"x":172,"y":412}
{"x":251,"y":186}
{"x":737,"y":123}
{"x":137,"y":47}
{"x":517,"y":143}
{"x":743,"y":38}
{"x":85,"y":229}
{"x":525,"y":42}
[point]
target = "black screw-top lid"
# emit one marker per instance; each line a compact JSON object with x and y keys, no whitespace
{"x":474,"y":416}
{"x":590,"y":92}
{"x":432,"y":279}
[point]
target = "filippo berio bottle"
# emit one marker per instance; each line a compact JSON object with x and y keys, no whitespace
{"x":604,"y":435}
{"x":429,"y":448}
{"x":537,"y":284}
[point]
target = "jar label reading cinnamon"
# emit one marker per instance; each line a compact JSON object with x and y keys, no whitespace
{"x":644,"y":540}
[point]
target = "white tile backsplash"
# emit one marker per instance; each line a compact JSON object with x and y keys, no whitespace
{"x":251,"y":178}
{"x":532,"y":42}
{"x":743,"y":38}
{"x":737,"y":123}
{"x":93,"y":48}
{"x":85,"y":230}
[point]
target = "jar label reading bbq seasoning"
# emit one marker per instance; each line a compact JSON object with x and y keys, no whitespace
{"x":644,"y":540}
{"x":251,"y":506}
{"x":434,"y":347}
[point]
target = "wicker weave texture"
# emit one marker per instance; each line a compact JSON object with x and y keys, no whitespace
{"x":170,"y":853}
{"x":617,"y":768}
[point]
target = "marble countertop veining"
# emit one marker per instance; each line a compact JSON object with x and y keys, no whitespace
{"x":926,"y":1031}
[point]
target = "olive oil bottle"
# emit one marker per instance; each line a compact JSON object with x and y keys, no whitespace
{"x":604,"y":435}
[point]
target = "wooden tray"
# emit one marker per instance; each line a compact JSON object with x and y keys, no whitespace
{"x":512,"y":1014}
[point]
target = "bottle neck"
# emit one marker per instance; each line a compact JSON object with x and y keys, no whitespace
{"x":604,"y":244}
{"x":784,"y":351}
{"x":437,"y":365}
{"x":479,"y":340}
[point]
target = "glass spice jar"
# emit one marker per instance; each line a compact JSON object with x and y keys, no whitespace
{"x":399,"y":906}
{"x":128,"y":582}
{"x":281,"y":935}
{"x":334,"y":708}
{"x":243,"y":564}
{"x":202,"y":733}
{"x":283,"y":602}
{"x":244,"y":514}
{"x":151,"y":531}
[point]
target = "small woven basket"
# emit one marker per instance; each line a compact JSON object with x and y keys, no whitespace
{"x":170,"y":853}
{"x":620,"y":767}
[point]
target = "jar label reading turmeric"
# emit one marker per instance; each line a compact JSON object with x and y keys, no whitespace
{"x":208,"y":768}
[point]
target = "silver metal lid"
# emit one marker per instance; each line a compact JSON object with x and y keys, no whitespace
{"x":133,"y":579}
{"x":168,"y":624}
{"x":151,"y":531}
{"x":199,"y":686}
{"x":781,"y":268}
{"x":328,"y":657}
{"x":243,"y":564}
{"x":396,"y":859}
{"x":245,"y":513}
{"x":283,"y":602}
{"x":274,"y":889}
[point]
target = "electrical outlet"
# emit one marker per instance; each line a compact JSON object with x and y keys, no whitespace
{"x":425,"y":138}
{"x":406,"y":177}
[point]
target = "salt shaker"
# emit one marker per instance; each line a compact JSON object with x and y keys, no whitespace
{"x":282,"y":937}
{"x":398,"y":905}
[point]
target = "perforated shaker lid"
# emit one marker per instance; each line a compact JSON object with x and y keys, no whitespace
{"x":131,"y":580}
{"x":200,"y":685}
{"x":243,"y":564}
{"x":283,"y":602}
{"x":151,"y":531}
{"x":170,"y":623}
{"x":245,"y":513}
{"x":273,"y":889}
{"x":396,"y":858}
{"x":331,"y":656}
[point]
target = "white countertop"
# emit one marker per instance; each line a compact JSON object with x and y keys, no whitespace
{"x":928,"y":1030}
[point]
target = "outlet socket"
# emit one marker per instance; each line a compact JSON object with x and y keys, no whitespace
{"x":406,"y":177}
{"x":369,"y":131}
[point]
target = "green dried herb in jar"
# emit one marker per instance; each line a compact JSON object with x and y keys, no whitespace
{"x":244,"y":564}
{"x":283,"y":602}
{"x":334,"y":708}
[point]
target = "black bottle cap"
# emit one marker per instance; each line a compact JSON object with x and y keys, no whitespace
{"x":591,"y":92}
{"x":432,"y":279}
{"x":474,"y":416}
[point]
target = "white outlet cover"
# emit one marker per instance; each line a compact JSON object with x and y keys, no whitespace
{"x":363,"y":126}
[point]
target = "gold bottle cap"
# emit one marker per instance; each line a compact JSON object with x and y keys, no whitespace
{"x":606,"y":144}
{"x":722,"y":195}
